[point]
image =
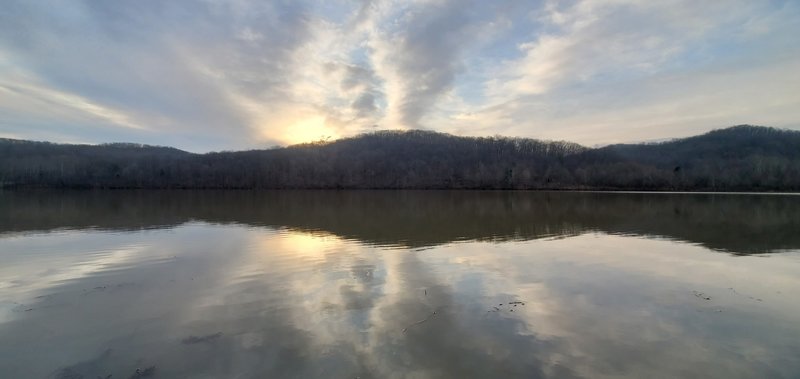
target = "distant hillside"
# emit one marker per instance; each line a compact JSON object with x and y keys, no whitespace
{"x":740,"y":158}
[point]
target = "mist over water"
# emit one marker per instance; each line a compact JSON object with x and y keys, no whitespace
{"x":397,"y":284}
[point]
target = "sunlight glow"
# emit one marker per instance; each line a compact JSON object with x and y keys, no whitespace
{"x":303,"y":244}
{"x":310,"y":129}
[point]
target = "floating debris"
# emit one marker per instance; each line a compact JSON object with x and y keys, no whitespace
{"x":94,"y":290}
{"x":420,"y":321}
{"x":144,"y":373}
{"x":739,"y":294}
{"x":191,"y":340}
{"x":701,"y":295}
{"x":514,"y":303}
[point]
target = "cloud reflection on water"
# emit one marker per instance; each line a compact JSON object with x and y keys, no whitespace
{"x":291,"y":304}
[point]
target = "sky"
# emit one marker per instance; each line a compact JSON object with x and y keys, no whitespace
{"x":212,"y":75}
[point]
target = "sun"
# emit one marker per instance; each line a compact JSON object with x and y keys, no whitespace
{"x":309,"y":129}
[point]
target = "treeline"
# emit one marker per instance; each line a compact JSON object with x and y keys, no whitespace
{"x":746,"y":158}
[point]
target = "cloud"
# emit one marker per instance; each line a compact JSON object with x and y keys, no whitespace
{"x":365,"y":105}
{"x":209,"y":75}
{"x":616,"y":71}
{"x":176,"y":67}
{"x":425,"y":54}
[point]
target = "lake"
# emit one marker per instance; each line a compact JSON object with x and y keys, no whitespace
{"x":398,"y":284}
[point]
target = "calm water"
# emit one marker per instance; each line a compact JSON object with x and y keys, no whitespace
{"x":398,"y":284}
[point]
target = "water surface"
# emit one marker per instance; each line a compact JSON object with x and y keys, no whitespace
{"x":398,"y":284}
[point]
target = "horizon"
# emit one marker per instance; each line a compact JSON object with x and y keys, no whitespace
{"x":219,"y":76}
{"x":326,"y":141}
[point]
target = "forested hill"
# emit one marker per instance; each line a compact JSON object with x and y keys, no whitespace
{"x":740,"y":158}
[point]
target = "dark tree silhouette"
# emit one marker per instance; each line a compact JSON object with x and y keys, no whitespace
{"x":746,"y":158}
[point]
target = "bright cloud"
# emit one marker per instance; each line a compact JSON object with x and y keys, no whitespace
{"x":213,"y":75}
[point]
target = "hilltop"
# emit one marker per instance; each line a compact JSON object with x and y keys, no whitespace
{"x":739,"y":158}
